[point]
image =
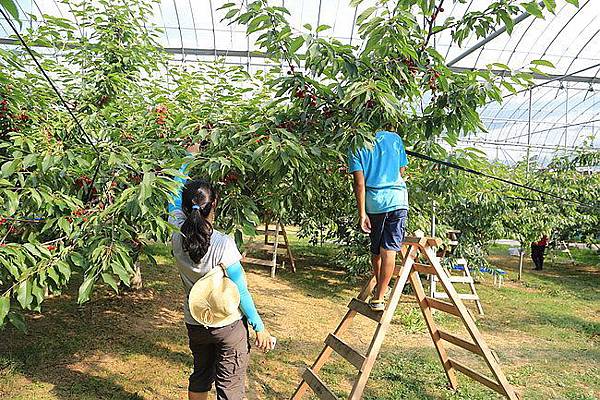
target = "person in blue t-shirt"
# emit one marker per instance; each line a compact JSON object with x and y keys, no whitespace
{"x":382,"y":201}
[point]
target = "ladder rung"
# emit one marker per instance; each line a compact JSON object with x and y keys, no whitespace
{"x":462,"y":296}
{"x":265,"y":247}
{"x":458,"y":279}
{"x":453,"y":242}
{"x":460,"y":342}
{"x":443,"y":306}
{"x":424,"y":268}
{"x":257,"y":261}
{"x":271,"y":231}
{"x":363,"y":308}
{"x":317,"y":385}
{"x":349,"y":354}
{"x":477,"y":376}
{"x":415,"y":240}
{"x":280,"y":245}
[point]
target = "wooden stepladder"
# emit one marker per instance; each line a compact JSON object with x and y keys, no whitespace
{"x":413,"y":251}
{"x":465,"y":278}
{"x":271,"y":247}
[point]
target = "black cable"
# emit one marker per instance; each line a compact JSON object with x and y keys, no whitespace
{"x":479,"y":173}
{"x":66,"y":105}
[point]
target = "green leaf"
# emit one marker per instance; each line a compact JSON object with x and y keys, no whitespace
{"x":65,"y":225}
{"x":533,"y":8}
{"x":111,"y":281}
{"x":121,"y":272}
{"x":537,"y":71}
{"x":11,"y":7}
{"x":508,"y":86}
{"x":77,"y":259}
{"x":501,"y":66}
{"x":52,"y":274}
{"x":365,"y":14}
{"x":18,"y":321}
{"x":85,"y":289}
{"x":545,"y":63}
{"x":24,"y":296}
{"x":550,"y":5}
{"x":508,"y":21}
{"x":574,"y":2}
{"x":323,"y":28}
{"x":4,"y":308}
{"x":38,"y":292}
{"x":64,"y":269}
{"x":230,"y":14}
{"x":226,"y":5}
{"x":308,"y":27}
{"x":296,"y":44}
{"x":13,"y":202}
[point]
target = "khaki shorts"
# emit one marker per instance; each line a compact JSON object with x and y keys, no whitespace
{"x":221,"y":357}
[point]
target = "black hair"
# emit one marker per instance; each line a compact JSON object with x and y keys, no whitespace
{"x":197,"y":200}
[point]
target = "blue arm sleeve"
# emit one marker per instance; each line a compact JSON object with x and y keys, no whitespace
{"x":236,"y":274}
{"x":175,"y":203}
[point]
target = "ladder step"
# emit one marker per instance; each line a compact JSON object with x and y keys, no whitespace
{"x":265,"y":247}
{"x":462,"y":296}
{"x":477,"y":376}
{"x":317,"y":385}
{"x":443,"y":306}
{"x":257,"y":261}
{"x":420,"y":241}
{"x":363,"y":308}
{"x":349,"y":354}
{"x":270,"y":231}
{"x":280,"y":245}
{"x":424,"y":268}
{"x":460,"y":342}
{"x":458,"y":279}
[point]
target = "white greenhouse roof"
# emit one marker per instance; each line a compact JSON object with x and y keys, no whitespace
{"x":565,"y":109}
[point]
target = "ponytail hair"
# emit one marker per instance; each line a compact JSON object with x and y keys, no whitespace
{"x":197,"y":200}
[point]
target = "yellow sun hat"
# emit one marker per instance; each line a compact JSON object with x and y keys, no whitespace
{"x":214,"y":299}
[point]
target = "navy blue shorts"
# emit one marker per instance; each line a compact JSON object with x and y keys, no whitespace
{"x":387,"y":230}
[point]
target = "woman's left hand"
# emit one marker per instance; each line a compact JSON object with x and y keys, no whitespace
{"x":263,"y":340}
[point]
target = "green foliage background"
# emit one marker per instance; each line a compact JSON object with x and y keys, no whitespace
{"x":84,"y":207}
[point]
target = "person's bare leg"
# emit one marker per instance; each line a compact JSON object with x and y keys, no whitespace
{"x":386,"y":271}
{"x":376,"y":262}
{"x":198,"y":396}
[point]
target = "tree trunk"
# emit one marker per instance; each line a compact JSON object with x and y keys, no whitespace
{"x":521,"y":254}
{"x":136,"y":280}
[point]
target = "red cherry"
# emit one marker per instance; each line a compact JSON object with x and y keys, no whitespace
{"x":51,"y":247}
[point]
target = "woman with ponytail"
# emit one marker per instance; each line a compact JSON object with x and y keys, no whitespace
{"x":221,"y":353}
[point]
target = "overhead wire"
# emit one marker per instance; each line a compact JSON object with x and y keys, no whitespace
{"x":497,"y":178}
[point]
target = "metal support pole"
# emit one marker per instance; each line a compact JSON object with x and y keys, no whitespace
{"x":566,"y":112}
{"x":433,"y":221}
{"x":528,"y":137}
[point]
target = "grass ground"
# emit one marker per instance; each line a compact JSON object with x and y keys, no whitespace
{"x":545,"y":330}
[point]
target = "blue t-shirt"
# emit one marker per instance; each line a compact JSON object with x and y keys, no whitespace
{"x":385,"y":188}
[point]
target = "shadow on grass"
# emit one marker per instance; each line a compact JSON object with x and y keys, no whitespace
{"x":316,"y":275}
{"x":73,"y":348}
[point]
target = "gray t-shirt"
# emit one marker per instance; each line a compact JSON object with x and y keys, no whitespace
{"x":222,"y":249}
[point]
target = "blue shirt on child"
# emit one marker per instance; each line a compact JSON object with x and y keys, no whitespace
{"x":385,"y":188}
